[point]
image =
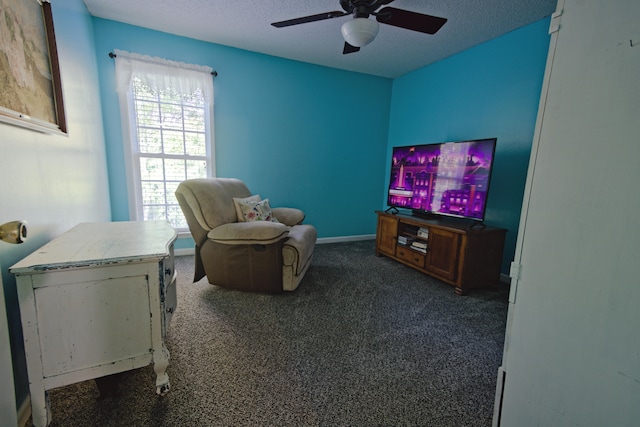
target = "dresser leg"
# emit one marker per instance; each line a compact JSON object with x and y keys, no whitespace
{"x":160,"y":364}
{"x":40,"y":408}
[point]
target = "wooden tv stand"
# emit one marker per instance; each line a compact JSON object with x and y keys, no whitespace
{"x":459,"y":254}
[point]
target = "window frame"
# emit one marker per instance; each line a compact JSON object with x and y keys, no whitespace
{"x":132,"y":154}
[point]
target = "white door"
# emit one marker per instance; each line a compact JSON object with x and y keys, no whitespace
{"x":572,"y":351}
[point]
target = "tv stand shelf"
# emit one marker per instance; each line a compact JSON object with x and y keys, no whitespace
{"x":454,"y":252}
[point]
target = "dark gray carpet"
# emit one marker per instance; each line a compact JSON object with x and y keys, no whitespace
{"x":364,"y":341}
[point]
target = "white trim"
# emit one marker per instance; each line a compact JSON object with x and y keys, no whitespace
{"x":18,"y":119}
{"x":211,"y":140}
{"x":323,"y":240}
{"x":341,"y":239}
{"x":184,"y":251}
{"x":535,"y":147}
{"x":522,"y":226}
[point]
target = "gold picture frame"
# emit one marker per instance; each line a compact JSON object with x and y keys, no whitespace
{"x":30,"y":83}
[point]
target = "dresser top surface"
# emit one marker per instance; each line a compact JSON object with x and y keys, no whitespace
{"x":101,"y":243}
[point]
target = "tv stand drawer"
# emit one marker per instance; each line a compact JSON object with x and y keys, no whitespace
{"x":410,"y":256}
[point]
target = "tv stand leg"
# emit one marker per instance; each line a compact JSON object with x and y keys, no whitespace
{"x":460,"y":291}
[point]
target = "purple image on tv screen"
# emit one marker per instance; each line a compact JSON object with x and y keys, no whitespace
{"x":449,"y":178}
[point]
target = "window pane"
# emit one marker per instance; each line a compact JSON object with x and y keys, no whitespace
{"x":175,"y":169}
{"x":173,"y":142}
{"x":194,"y":119}
{"x":151,"y":169}
{"x":196,"y":144}
{"x":149,"y":140}
{"x":171,"y":187}
{"x":154,"y":213}
{"x":196,"y":169}
{"x":148,"y":113}
{"x":153,"y":193}
{"x":176,"y":217}
{"x":171,"y":116}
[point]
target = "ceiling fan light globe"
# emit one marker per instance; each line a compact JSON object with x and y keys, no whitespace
{"x":359,"y":32}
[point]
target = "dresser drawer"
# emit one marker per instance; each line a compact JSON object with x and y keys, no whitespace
{"x":410,"y":256}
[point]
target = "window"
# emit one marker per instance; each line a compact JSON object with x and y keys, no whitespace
{"x":167,"y":116}
{"x":171,"y":146}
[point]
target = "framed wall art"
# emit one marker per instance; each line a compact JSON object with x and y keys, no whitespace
{"x":30,"y":85}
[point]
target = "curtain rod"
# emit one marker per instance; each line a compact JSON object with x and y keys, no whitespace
{"x":214,"y":73}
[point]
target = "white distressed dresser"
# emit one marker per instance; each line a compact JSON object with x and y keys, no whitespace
{"x":96,"y":301}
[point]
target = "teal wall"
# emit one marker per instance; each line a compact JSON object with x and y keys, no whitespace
{"x":491,"y":90}
{"x":303,"y":135}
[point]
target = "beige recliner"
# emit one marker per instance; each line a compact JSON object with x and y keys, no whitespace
{"x":242,"y":243}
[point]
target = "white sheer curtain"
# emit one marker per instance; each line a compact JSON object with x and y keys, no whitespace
{"x":161,"y":74}
{"x":166,"y":111}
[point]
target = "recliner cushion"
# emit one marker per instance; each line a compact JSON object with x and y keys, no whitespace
{"x":211,"y":199}
{"x":237,"y":233}
{"x":288,"y":216}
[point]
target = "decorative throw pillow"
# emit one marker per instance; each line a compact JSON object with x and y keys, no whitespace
{"x":236,"y":203}
{"x":256,"y":211}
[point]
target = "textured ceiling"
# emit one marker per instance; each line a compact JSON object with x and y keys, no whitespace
{"x":245,"y":24}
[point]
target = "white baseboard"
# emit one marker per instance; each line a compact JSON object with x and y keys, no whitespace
{"x":504,"y":278}
{"x":341,"y":239}
{"x":323,"y":240}
{"x":184,"y":251}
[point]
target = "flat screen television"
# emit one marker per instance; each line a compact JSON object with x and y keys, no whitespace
{"x":448,"y":178}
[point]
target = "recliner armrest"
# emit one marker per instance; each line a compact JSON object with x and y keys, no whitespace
{"x":249,"y":233}
{"x":288,"y":216}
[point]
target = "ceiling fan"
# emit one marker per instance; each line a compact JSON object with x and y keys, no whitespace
{"x":361,"y":30}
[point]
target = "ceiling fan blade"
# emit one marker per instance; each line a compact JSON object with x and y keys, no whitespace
{"x":410,"y":20}
{"x":310,"y":18}
{"x":349,"y":49}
